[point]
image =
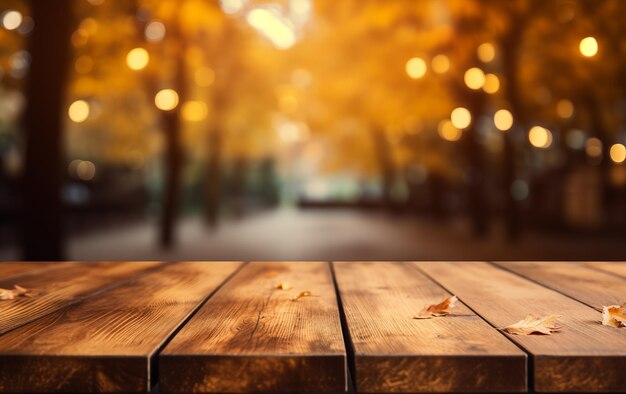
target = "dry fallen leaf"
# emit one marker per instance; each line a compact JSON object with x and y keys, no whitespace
{"x":16,"y":292}
{"x":437,"y":310}
{"x":283,"y":286}
{"x":6,"y":294}
{"x":535,"y":325}
{"x":302,"y":294}
{"x":614,"y":316}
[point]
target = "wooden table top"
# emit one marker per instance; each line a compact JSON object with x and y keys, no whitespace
{"x":317,"y":327}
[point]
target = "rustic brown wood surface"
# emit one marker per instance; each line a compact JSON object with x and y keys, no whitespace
{"x":616,"y":268}
{"x":250,"y":337}
{"x":60,"y":287}
{"x":106,"y":343}
{"x":395,"y":353}
{"x":585,"y":357}
{"x":592,"y":287}
{"x":9,"y":270}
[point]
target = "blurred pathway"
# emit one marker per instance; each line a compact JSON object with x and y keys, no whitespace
{"x":334,"y":235}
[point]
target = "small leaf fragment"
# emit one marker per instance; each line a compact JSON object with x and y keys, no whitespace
{"x":17,"y":291}
{"x":283,"y":286}
{"x":614,"y":316}
{"x":6,"y":294}
{"x":437,"y":310}
{"x":302,"y":294}
{"x":535,"y":325}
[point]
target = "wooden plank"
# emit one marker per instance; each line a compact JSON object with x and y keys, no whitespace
{"x":616,"y":268}
{"x":61,"y":287}
{"x":585,"y":357}
{"x":592,"y":287}
{"x":107,"y":343}
{"x":395,"y":353}
{"x":12,"y":269}
{"x":250,"y":337}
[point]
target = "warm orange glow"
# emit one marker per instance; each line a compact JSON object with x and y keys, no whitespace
{"x":565,"y":109}
{"x":540,"y":137}
{"x":461,"y":118}
{"x":503,"y":119}
{"x":486,"y":52}
{"x":618,"y":153}
{"x":166,"y":100}
{"x":84,"y":64}
{"x":78,"y":111}
{"x":492,"y":84}
{"x":12,"y":20}
{"x":416,"y":68}
{"x":137,"y":59}
{"x":474,"y":78}
{"x":440,"y":64}
{"x":204,"y":77}
{"x":588,"y":46}
{"x":195,"y":111}
{"x":448,"y":132}
{"x":155,"y":31}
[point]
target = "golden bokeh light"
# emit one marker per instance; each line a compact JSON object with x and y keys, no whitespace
{"x":503,"y":120}
{"x":440,"y":64}
{"x":166,"y":99}
{"x":565,"y":109}
{"x":486,"y":52}
{"x":416,"y":68}
{"x":83,"y":64}
{"x":155,"y":31}
{"x":474,"y":78}
{"x":194,"y":111}
{"x":85,"y":170}
{"x":12,"y":19}
{"x":448,"y":132}
{"x":137,"y":59}
{"x":588,"y":46}
{"x":540,"y":137}
{"x":618,"y":153}
{"x":78,"y":111}
{"x":461,"y":118}
{"x":593,"y":147}
{"x":492,"y":84}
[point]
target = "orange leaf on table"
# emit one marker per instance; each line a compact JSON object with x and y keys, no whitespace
{"x":438,"y":310}
{"x":614,"y":316}
{"x":535,"y":325}
{"x":17,"y":291}
{"x":283,"y":286}
{"x":302,"y":294}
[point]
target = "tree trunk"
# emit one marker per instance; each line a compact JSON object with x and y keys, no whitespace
{"x":386,"y":167}
{"x":510,"y":59}
{"x":213,"y":185}
{"x":478,"y":211}
{"x":42,"y":206}
{"x":172,"y":123}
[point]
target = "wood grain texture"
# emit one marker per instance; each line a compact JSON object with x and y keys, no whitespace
{"x":395,"y":353}
{"x":250,"y":337}
{"x":108,"y":342}
{"x":61,"y":287}
{"x":616,"y":268}
{"x":592,"y":287}
{"x":12,"y":269}
{"x":584,"y":357}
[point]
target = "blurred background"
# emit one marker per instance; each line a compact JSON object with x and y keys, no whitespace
{"x":312,"y":129}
